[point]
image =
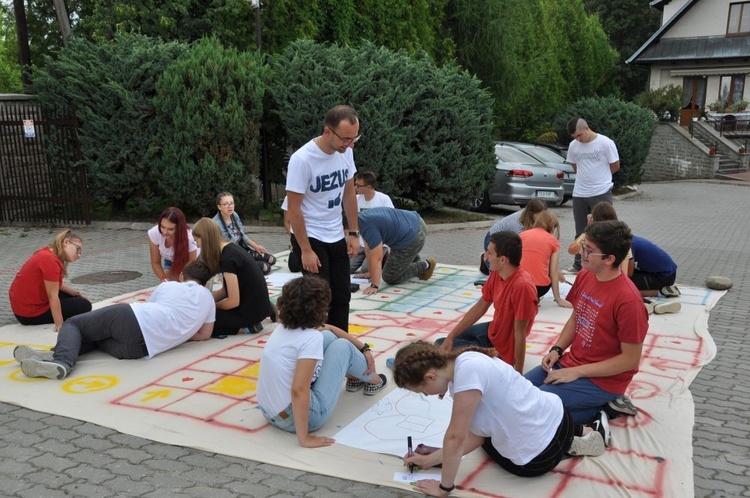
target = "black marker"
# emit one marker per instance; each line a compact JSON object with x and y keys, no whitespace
{"x":410,"y":452}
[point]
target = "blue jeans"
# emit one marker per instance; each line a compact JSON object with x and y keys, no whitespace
{"x":476,"y":335}
{"x":340,"y":358}
{"x":582,"y":398}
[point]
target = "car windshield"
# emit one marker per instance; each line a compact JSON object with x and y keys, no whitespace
{"x":510,"y":155}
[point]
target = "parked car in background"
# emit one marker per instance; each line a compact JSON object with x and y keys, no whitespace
{"x":551,"y":159}
{"x":560,"y":149}
{"x":520,"y":178}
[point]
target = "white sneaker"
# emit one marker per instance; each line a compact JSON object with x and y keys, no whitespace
{"x":592,"y":444}
{"x":661,"y":308}
{"x":571,"y":271}
{"x":23,"y":352}
{"x":37,"y":368}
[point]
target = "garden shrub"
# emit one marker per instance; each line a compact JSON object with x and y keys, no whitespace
{"x":208,"y":106}
{"x":426,"y":130}
{"x":110,"y":87}
{"x":665,"y":102}
{"x":629,"y":125}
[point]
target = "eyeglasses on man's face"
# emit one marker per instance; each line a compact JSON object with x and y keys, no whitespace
{"x":346,"y":140}
{"x":360,"y":185}
{"x":79,"y":249}
{"x":227,"y":204}
{"x":586,"y":252}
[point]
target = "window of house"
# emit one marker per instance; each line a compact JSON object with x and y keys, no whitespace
{"x":731,"y":88}
{"x":739,"y":19}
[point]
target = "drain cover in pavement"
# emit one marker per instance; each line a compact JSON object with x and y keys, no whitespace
{"x":107,"y":277}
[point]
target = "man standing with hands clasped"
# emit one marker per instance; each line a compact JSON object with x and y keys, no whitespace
{"x":595,"y":159}
{"x":319,"y":181}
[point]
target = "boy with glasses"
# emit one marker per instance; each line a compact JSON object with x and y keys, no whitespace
{"x":367,"y":198}
{"x":603,"y":336}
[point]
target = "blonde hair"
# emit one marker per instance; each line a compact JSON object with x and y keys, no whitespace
{"x":547,"y":221}
{"x":58,"y":246}
{"x":211,"y":240}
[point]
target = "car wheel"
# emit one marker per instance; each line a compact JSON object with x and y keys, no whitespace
{"x":566,"y":198}
{"x":481,"y":204}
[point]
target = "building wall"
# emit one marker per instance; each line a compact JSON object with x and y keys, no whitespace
{"x":705,"y":18}
{"x":674,"y":156}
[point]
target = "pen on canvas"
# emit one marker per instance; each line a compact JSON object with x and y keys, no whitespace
{"x":410,"y":452}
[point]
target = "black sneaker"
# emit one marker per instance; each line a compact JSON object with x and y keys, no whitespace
{"x":620,"y":406}
{"x":354,"y":385}
{"x":483,"y":265}
{"x":601,"y":425}
{"x":373,"y":389}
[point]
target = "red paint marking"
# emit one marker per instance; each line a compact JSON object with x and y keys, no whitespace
{"x":438,"y":313}
{"x":187,"y":379}
{"x":410,"y":334}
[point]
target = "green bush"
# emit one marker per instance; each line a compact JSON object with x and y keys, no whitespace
{"x":629,"y":125}
{"x":209,"y":106}
{"x":665,"y":102}
{"x":426,"y":130}
{"x":110,"y":88}
{"x":549,"y":137}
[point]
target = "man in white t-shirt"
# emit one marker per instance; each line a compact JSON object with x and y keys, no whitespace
{"x":320,"y":180}
{"x":174,"y":313}
{"x":595,"y":159}
{"x":367,"y":198}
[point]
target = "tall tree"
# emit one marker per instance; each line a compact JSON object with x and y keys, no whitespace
{"x":10,"y":69}
{"x":534,"y":56}
{"x":628,"y":24}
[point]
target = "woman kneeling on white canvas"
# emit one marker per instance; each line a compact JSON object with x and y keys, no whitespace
{"x":523,"y":429}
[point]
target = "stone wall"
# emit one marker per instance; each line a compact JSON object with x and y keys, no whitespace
{"x":675,"y":155}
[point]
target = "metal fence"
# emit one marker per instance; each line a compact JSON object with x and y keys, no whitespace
{"x":41,"y":178}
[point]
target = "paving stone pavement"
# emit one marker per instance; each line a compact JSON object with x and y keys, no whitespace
{"x":701,"y":224}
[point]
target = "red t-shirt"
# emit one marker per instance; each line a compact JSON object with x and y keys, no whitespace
{"x":28,"y":296}
{"x":606,"y":314}
{"x":538,"y":247}
{"x":513,"y":299}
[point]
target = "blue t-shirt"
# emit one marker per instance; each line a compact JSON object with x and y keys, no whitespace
{"x":650,"y":258}
{"x":395,"y":228}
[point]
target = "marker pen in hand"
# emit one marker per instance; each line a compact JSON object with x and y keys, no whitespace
{"x":410,"y":452}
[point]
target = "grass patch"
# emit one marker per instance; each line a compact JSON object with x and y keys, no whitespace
{"x":448,"y":215}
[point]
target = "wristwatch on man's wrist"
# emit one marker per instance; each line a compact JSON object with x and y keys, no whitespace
{"x":353,"y":234}
{"x":557,"y":349}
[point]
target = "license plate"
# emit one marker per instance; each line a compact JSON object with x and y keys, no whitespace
{"x":546,"y":194}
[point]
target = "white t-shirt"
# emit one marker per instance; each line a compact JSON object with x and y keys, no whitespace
{"x":520,"y":418}
{"x":173,"y":314}
{"x":379,"y":200}
{"x":592,"y":160}
{"x":278,"y":362}
{"x":157,"y":238}
{"x":320,"y":177}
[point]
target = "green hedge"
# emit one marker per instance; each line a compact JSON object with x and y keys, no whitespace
{"x":208,"y":106}
{"x":427,"y":130}
{"x":110,"y":88}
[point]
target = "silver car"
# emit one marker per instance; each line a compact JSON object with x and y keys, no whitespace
{"x":553,"y":160}
{"x":520,"y":178}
